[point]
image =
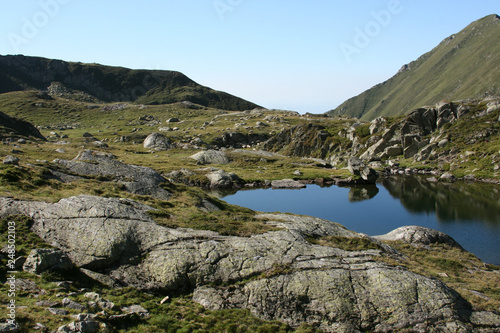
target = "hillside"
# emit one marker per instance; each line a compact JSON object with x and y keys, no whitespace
{"x":113,"y":197}
{"x":464,"y":65}
{"x":94,"y":82}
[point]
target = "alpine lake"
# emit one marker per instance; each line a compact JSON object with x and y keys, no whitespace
{"x":468,"y":212}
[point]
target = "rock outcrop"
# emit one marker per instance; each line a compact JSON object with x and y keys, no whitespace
{"x":136,"y":179}
{"x":210,"y":157}
{"x":358,"y":168}
{"x":276,"y":275}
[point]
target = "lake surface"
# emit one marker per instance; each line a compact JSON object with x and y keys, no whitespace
{"x":468,"y":212}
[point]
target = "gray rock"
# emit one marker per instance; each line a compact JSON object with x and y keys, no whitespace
{"x":101,"y":302}
{"x":41,"y":260}
{"x":393,"y":151}
{"x":287,"y":183}
{"x":173,"y":120}
{"x":210,"y":157}
{"x":58,"y":312}
{"x":47,"y":304}
{"x":417,"y":235}
{"x":157,"y":141}
{"x":358,"y":168}
{"x":447,"y":177}
{"x":137,"y":179}
{"x":483,"y":318}
{"x":142,"y":312}
{"x":443,"y":143}
{"x":87,"y":326}
{"x":223,"y":179}
{"x":9,"y":159}
{"x":276,"y":275}
{"x":425,"y":153}
{"x":70,"y":304}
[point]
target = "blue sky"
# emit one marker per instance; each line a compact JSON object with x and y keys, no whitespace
{"x":307,"y":56}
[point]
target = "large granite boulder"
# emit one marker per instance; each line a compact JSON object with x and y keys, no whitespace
{"x":276,"y":275}
{"x":210,"y":157}
{"x":417,"y":235}
{"x":223,"y":179}
{"x":157,"y":141}
{"x":136,"y":179}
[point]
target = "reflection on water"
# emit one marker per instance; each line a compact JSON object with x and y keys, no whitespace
{"x":450,"y":202}
{"x":468,"y":212}
{"x":361,"y":193}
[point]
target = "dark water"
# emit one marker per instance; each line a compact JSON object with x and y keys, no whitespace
{"x":470,"y":213}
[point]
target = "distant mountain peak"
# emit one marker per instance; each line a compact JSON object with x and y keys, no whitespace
{"x":464,"y":65}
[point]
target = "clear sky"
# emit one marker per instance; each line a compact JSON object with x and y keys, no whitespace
{"x":303,"y":55}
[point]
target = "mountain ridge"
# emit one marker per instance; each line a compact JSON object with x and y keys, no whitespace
{"x":464,"y":65}
{"x":112,"y":84}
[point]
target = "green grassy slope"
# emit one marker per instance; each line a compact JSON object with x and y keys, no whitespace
{"x":112,"y":84}
{"x":465,"y":65}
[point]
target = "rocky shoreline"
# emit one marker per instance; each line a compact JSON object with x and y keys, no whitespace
{"x":278,"y":275}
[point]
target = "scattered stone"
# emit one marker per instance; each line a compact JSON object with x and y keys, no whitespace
{"x":173,"y":120}
{"x":88,"y":326}
{"x":479,"y":294}
{"x":470,"y":177}
{"x":287,"y":183}
{"x":210,"y":157}
{"x":447,"y":177}
{"x":12,"y":160}
{"x":157,"y":141}
{"x":58,"y":312}
{"x":100,"y":144}
{"x":143,"y":313}
{"x":101,"y":302}
{"x":40,"y":327}
{"x":70,"y":304}
{"x":41,"y":260}
{"x":60,"y":151}
{"x":29,"y":286}
{"x":443,"y":143}
{"x":297,"y":173}
{"x":47,"y":304}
